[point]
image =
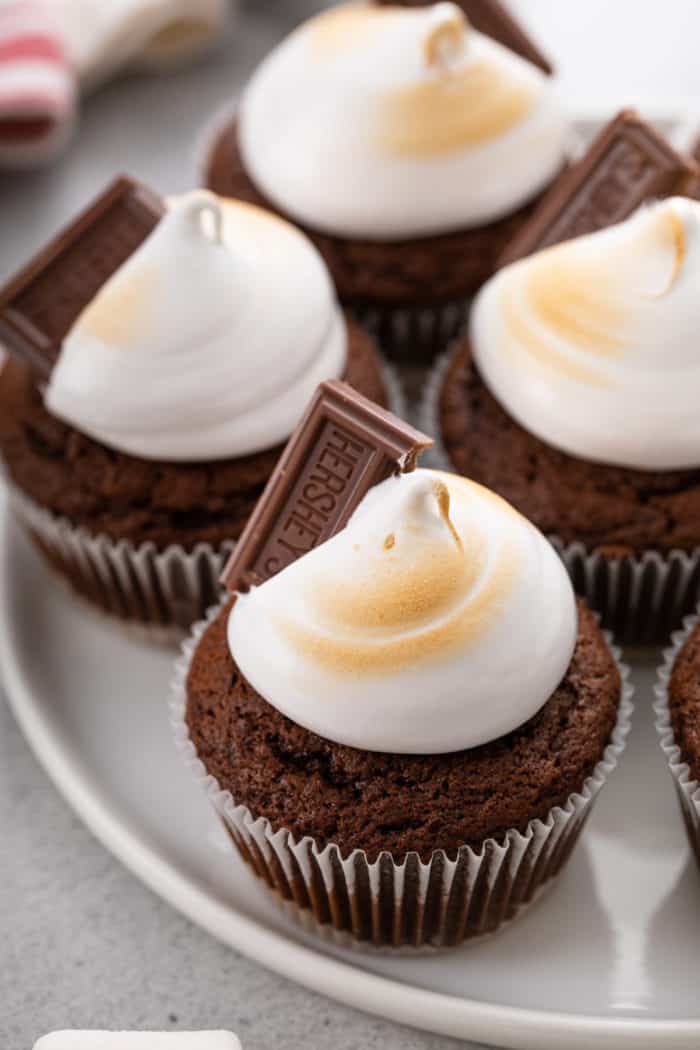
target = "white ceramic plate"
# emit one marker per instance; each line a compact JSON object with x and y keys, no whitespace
{"x":607,"y":958}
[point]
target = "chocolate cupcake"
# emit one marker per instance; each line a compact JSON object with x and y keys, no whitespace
{"x":573,"y":397}
{"x":136,"y":465}
{"x":678,"y":721}
{"x":404,"y":730}
{"x":407,"y":145}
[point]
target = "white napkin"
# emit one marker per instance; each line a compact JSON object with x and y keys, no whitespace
{"x":106,"y":36}
{"x":38,"y":93}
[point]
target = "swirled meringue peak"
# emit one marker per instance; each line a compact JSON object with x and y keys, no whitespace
{"x":437,"y":620}
{"x":208,"y":342}
{"x":388,"y":122}
{"x":592,"y":345}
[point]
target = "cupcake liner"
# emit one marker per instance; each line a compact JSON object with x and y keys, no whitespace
{"x":156,"y":594}
{"x":640,"y":598}
{"x":688,"y":790}
{"x":409,"y":903}
{"x":405,"y":334}
{"x":413,"y":335}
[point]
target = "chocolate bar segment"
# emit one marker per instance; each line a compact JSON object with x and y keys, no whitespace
{"x":492,"y":18}
{"x":39,"y":305}
{"x":344,"y":445}
{"x":629,"y":163}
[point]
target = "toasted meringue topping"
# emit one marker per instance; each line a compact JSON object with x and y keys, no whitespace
{"x":437,"y":620}
{"x":592,"y":345}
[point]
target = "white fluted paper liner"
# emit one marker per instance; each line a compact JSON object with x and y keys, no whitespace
{"x":154,"y":594}
{"x":429,"y":408}
{"x":640,"y":598}
{"x":408,"y":903}
{"x":688,"y":790}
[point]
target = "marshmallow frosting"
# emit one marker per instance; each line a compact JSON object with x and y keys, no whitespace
{"x":388,"y":122}
{"x":138,"y":1041}
{"x":208,"y":342}
{"x":437,"y":620}
{"x":592,"y":345}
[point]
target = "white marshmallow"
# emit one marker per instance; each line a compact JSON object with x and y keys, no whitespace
{"x":208,"y":342}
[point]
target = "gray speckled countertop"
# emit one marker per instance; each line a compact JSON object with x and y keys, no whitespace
{"x":82,"y":943}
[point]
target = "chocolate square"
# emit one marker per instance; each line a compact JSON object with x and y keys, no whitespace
{"x":39,"y":305}
{"x":629,"y":163}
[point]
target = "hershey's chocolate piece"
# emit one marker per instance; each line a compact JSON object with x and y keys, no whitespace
{"x":492,"y":18}
{"x":343,"y":446}
{"x":40,"y":304}
{"x":627,"y":164}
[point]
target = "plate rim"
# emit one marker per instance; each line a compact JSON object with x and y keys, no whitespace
{"x":403,"y":1003}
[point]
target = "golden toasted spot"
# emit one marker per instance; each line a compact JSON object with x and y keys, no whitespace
{"x":523,"y":341}
{"x":452,"y":111}
{"x":572,"y":297}
{"x":468,"y":489}
{"x":347,"y":27}
{"x":403,"y":591}
{"x":363,"y":649}
{"x":566,"y":302}
{"x":446,"y":39}
{"x":117,"y":310}
{"x":585,"y":301}
{"x":670,"y":228}
{"x":442,"y":494}
{"x":389,"y":542}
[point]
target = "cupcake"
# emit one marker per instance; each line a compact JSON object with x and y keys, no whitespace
{"x":574,"y":397}
{"x":410,"y":148}
{"x":405,"y":729}
{"x":678,"y":721}
{"x":136,"y":466}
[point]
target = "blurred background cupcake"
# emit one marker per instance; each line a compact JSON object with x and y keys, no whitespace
{"x":137,"y":466}
{"x":573,"y":396}
{"x":678,"y":721}
{"x":409,"y":146}
{"x":404,"y":731}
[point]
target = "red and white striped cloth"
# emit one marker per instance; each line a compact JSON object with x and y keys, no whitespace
{"x":38,"y":90}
